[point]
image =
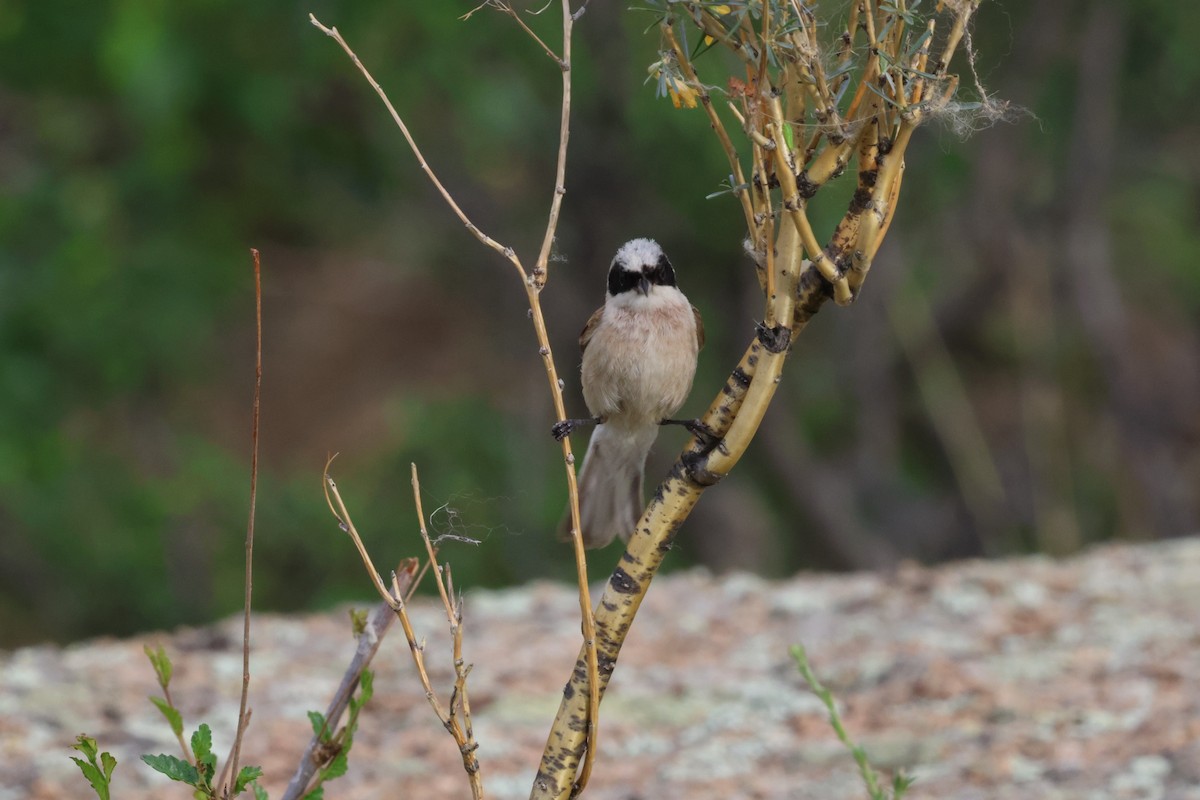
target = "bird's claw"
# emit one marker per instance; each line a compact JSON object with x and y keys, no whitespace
{"x":562,"y":429}
{"x":696,"y":428}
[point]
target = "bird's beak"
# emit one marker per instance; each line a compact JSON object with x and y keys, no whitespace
{"x":643,"y":286}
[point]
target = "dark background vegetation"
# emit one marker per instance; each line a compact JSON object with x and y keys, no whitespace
{"x":1022,"y":372}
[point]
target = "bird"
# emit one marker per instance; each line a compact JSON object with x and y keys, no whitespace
{"x":639,"y":359}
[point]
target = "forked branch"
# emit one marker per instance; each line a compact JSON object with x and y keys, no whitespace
{"x":455,"y":718}
{"x":533,"y":283}
{"x":797,"y":146}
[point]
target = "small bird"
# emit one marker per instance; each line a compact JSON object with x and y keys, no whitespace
{"x":639,"y":359}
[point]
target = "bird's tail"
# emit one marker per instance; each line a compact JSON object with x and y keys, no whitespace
{"x":611,"y":484}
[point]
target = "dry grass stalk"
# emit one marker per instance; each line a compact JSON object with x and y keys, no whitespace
{"x":230,"y":770}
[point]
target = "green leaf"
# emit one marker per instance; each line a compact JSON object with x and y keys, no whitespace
{"x":316,"y":794}
{"x":367,"y":685}
{"x":161,"y":663}
{"x":97,"y":776}
{"x":337,"y":768}
{"x":202,"y":742}
{"x":86,"y":745}
{"x":109,"y":763}
{"x":901,"y":783}
{"x":174,"y":718}
{"x":320,"y":730}
{"x":259,"y":792}
{"x":245,"y":775}
{"x":174,"y":768}
{"x":93,"y":776}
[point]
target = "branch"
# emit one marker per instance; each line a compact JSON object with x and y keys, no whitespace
{"x":503,"y":250}
{"x":506,"y":8}
{"x":395,"y":598}
{"x":714,"y":120}
{"x":801,"y":287}
{"x":368,"y":644}
{"x":542,"y":265}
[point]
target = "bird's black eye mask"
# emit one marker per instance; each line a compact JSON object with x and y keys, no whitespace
{"x":663,"y":273}
{"x":622,"y":280}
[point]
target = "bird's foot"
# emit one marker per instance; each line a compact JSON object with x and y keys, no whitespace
{"x":562,"y":429}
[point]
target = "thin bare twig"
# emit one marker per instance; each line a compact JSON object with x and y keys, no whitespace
{"x":542,"y":265}
{"x":503,"y":250}
{"x":231,"y":764}
{"x":454,"y":617}
{"x":506,"y":8}
{"x":395,"y":598}
{"x":735,"y":163}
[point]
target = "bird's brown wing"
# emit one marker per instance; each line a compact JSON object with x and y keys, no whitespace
{"x":699,"y":328}
{"x":586,"y":335}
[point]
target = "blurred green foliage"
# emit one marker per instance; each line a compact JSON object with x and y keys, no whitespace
{"x":145,"y":145}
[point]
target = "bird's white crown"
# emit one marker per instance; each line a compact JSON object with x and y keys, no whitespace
{"x":636,"y":253}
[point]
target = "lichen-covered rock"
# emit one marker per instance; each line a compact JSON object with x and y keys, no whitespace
{"x":1010,"y":679}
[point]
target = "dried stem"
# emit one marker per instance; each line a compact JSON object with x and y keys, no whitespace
{"x":231,"y":764}
{"x":542,"y":266}
{"x":506,"y":8}
{"x":395,"y":598}
{"x":454,"y":617}
{"x":503,"y":250}
{"x":714,"y":119}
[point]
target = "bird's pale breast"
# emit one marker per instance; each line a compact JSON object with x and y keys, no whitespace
{"x":638,"y":367}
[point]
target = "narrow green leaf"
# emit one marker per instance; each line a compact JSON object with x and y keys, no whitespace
{"x":316,"y":794}
{"x":245,"y":776}
{"x":318,"y":725}
{"x":259,"y":792}
{"x":337,"y":768}
{"x":161,"y":663}
{"x":93,"y":776}
{"x":915,"y":46}
{"x":366,"y":688}
{"x":174,"y":768}
{"x":98,"y":775}
{"x":174,"y":718}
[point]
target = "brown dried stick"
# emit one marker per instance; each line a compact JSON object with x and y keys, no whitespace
{"x":454,"y":616}
{"x":231,"y":764}
{"x":503,"y":250}
{"x":395,"y":598}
